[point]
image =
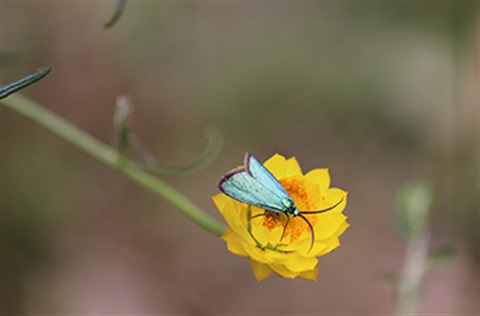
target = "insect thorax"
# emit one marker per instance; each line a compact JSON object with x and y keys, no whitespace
{"x":290,"y":207}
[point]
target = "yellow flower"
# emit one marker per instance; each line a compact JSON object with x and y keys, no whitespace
{"x":257,"y":234}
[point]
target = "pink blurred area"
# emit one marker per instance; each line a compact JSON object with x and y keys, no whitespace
{"x":381,"y":93}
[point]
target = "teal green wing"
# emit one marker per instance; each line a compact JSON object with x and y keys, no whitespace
{"x":255,"y":185}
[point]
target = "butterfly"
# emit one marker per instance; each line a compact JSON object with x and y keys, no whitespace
{"x":253,"y":184}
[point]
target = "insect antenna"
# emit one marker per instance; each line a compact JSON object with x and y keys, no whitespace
{"x":311,"y":230}
{"x":324,"y":210}
{"x":316,"y":212}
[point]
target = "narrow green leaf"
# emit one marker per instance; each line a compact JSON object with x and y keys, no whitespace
{"x":5,"y":91}
{"x":117,"y":13}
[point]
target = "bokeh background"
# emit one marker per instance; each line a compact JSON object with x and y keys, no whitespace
{"x":381,"y":93}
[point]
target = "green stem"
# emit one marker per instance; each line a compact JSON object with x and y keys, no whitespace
{"x":410,"y":282}
{"x":111,"y":158}
{"x":415,"y":206}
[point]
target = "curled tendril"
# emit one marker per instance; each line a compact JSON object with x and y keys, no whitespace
{"x":211,"y":151}
{"x":126,"y":139}
{"x":5,"y":91}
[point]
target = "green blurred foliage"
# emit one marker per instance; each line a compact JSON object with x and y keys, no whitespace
{"x":441,"y":256}
{"x":415,"y":202}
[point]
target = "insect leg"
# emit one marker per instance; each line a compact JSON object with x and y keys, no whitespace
{"x":285,"y":226}
{"x":258,"y":215}
{"x":267,"y":213}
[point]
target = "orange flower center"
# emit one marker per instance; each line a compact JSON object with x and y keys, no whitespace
{"x":295,"y":187}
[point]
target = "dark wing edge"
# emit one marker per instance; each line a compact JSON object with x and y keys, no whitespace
{"x":256,"y":197}
{"x":245,"y":168}
{"x":228,"y":175}
{"x":246,"y":163}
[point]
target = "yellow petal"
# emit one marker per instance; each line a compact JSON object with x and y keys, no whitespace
{"x":236,"y":218}
{"x":333,"y":196}
{"x":302,"y":244}
{"x":321,"y":177}
{"x":283,"y":271}
{"x":328,"y":224}
{"x":315,"y":194}
{"x":235,"y":243}
{"x":276,"y":165}
{"x":310,"y":275}
{"x":259,"y":255}
{"x":292,"y":168}
{"x":275,"y":256}
{"x":303,"y":247}
{"x":330,"y":244}
{"x":342,"y":229}
{"x":298,"y":263}
{"x":221,"y":201}
{"x":317,"y":248}
{"x":260,"y":270}
{"x":263,"y":234}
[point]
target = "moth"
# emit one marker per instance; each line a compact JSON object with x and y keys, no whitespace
{"x":253,"y":184}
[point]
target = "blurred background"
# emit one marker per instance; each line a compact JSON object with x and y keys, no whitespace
{"x":381,"y":93}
